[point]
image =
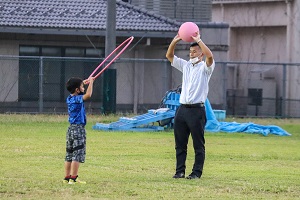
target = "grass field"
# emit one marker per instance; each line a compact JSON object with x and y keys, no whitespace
{"x":140,"y":165}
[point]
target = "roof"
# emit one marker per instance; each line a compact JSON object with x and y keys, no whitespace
{"x":81,"y":17}
{"x":243,"y":1}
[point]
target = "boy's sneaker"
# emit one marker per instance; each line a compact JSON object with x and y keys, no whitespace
{"x":65,"y":181}
{"x":76,"y":181}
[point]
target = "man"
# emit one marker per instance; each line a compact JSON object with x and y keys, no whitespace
{"x":190,"y":116}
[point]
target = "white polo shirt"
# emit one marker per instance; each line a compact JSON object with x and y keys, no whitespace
{"x":195,"y":80}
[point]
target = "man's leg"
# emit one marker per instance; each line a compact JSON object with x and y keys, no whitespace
{"x":181,"y":134}
{"x":197,"y":125}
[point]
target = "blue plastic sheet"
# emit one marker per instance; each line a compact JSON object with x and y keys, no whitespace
{"x":213,"y":125}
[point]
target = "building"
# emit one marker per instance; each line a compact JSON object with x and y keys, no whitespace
{"x":181,"y":11}
{"x":43,"y":43}
{"x":263,"y":31}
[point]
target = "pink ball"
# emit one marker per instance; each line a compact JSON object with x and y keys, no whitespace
{"x":187,"y":30}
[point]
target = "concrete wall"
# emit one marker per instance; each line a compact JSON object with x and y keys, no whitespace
{"x":9,"y":69}
{"x":255,"y":14}
{"x":263,"y":31}
{"x":257,"y":30}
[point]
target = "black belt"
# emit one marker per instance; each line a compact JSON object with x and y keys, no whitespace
{"x":196,"y":105}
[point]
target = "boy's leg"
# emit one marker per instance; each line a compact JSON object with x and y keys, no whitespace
{"x":74,"y":168}
{"x":74,"y":171}
{"x":67,"y":172}
{"x":68,"y":158}
{"x":79,"y":152}
{"x":67,"y":168}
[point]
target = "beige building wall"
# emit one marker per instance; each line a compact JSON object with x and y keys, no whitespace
{"x":9,"y":68}
{"x":263,"y":31}
{"x":257,"y":29}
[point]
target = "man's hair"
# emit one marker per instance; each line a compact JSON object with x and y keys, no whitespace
{"x":73,"y":83}
{"x":194,"y":44}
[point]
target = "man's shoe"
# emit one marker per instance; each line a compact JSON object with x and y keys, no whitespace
{"x":179,"y":175}
{"x":192,"y":176}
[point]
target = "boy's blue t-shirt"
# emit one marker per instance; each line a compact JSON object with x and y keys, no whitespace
{"x":76,"y":109}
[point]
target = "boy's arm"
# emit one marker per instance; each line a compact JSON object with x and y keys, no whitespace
{"x":89,"y":90}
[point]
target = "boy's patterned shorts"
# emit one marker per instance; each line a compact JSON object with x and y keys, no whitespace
{"x":76,"y":143}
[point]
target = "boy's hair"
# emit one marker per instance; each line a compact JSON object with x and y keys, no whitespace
{"x":73,"y":83}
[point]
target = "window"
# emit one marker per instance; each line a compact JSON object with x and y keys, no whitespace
{"x":29,"y":51}
{"x":74,"y":52}
{"x":56,"y":71}
{"x":28,"y":79}
{"x":96,"y":53}
{"x":255,"y":96}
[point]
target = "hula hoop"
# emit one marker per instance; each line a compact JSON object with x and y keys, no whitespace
{"x":128,"y":41}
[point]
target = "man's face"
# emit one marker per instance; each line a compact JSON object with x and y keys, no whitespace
{"x":195,"y":51}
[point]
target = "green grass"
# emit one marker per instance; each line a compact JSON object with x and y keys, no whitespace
{"x":140,"y":165}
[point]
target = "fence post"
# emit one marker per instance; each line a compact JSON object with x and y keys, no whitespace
{"x":283,"y":104}
{"x":41,"y":94}
{"x":224,"y":86}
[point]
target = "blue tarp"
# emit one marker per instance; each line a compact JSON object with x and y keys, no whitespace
{"x":213,"y":125}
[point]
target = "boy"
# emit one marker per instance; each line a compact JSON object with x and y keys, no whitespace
{"x":76,"y":135}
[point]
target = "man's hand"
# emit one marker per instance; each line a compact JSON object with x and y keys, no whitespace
{"x":197,"y":37}
{"x":176,"y":38}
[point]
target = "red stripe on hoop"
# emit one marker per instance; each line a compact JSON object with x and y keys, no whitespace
{"x":128,"y":41}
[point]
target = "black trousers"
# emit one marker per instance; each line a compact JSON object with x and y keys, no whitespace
{"x":190,"y":120}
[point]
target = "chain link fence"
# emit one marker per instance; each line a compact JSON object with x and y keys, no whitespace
{"x":262,"y":89}
{"x":37,"y":85}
